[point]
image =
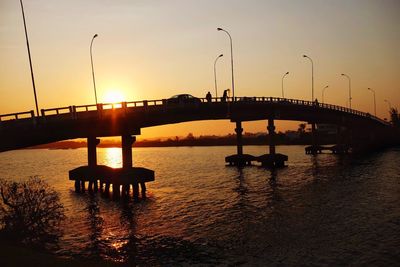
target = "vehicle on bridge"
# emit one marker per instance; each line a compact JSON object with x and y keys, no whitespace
{"x":183,"y":99}
{"x":246,"y":99}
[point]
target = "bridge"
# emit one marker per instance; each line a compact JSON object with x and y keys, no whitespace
{"x":357,"y":131}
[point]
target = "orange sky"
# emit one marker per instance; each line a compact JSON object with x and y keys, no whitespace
{"x":154,"y":49}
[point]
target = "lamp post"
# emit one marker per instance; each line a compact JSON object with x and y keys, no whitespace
{"x":348,"y":77}
{"x":233,"y":81}
{"x":30,"y":60}
{"x":284,"y":75}
{"x":373,"y":91}
{"x":215,"y":74}
{"x":91,"y":60}
{"x":389,"y":104}
{"x":312,"y":77}
{"x":323,"y":91}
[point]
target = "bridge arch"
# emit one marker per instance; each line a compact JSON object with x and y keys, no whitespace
{"x":19,"y":130}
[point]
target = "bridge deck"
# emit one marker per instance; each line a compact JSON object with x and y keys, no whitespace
{"x":19,"y":130}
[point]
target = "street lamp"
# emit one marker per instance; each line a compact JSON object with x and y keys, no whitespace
{"x":373,"y":91}
{"x":215,"y":74}
{"x":283,"y":95}
{"x":91,"y":60}
{"x":389,"y":104}
{"x":30,"y":60}
{"x":233,"y":81}
{"x":312,"y":77}
{"x":348,"y":77}
{"x":323,"y":90}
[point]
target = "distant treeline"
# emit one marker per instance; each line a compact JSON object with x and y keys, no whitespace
{"x":300,"y":137}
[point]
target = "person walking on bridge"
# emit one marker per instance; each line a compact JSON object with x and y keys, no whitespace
{"x":224,"y":96}
{"x":316,"y":102}
{"x":208,"y":97}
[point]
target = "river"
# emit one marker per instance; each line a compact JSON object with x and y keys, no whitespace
{"x":323,"y":210}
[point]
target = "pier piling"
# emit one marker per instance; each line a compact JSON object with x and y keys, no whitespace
{"x":271,"y":136}
{"x":239,"y":139}
{"x":273,"y":159}
{"x":239,"y":159}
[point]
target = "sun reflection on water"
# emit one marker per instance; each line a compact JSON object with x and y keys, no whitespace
{"x":119,"y":244}
{"x":113,"y":157}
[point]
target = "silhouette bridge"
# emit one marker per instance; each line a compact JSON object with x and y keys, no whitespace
{"x":356,"y":131}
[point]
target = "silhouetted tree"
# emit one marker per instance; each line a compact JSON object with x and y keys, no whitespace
{"x":302,"y":128}
{"x":190,"y":136}
{"x":30,"y":212}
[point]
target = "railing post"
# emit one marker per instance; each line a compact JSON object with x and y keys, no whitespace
{"x":123,"y":107}
{"x":74,"y":111}
{"x":145,"y":103}
{"x":71,"y":112}
{"x":99,"y":108}
{"x":33,"y":117}
{"x":43,"y":113}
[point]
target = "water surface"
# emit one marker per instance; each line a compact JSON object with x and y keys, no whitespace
{"x":324,"y":210}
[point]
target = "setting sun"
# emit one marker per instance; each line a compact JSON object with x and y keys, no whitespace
{"x":114,"y":96}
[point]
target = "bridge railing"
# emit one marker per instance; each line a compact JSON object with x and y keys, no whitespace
{"x":17,"y":116}
{"x":55,"y":111}
{"x":279,"y":100}
{"x":74,"y":110}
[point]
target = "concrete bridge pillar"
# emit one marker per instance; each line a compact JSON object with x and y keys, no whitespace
{"x":239,"y":139}
{"x":272,"y":160}
{"x":271,"y":136}
{"x":239,"y":159}
{"x":127,"y":142}
{"x":127,"y":164}
{"x":341,"y":144}
{"x":92,"y":143}
{"x":314,"y":139}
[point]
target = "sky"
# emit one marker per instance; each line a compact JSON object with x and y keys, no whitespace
{"x":153,"y":49}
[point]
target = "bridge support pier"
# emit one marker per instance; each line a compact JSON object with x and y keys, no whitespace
{"x":239,"y":159}
{"x":315,"y":148}
{"x":271,"y":136}
{"x":127,"y":163}
{"x":124,"y":177}
{"x":273,"y":159}
{"x":92,"y":143}
{"x":341,"y":147}
{"x":239,"y":139}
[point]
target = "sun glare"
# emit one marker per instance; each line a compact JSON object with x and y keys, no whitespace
{"x":113,"y":96}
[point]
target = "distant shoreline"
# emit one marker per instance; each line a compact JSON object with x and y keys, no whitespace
{"x":191,"y":141}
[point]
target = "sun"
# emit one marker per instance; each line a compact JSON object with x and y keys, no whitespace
{"x":114,"y":96}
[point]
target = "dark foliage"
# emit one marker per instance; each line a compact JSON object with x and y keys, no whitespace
{"x":30,"y":212}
